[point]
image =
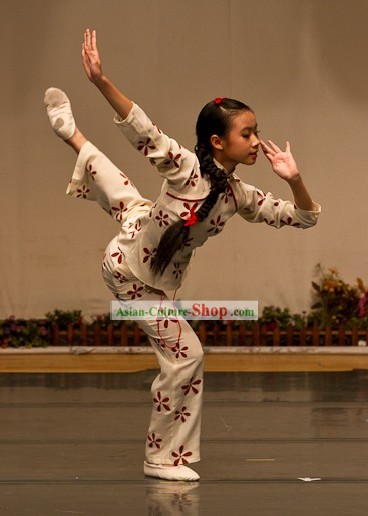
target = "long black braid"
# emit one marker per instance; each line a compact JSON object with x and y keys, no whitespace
{"x":215,"y":118}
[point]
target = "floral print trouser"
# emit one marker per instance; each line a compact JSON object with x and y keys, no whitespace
{"x":174,"y":431}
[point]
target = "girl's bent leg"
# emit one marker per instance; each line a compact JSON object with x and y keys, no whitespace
{"x":174,"y":432}
{"x":175,"y":427}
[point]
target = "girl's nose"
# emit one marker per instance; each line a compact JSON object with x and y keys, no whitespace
{"x":255,"y":141}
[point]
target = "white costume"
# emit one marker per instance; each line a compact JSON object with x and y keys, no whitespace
{"x":174,"y":431}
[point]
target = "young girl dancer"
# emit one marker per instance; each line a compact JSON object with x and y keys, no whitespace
{"x":153,"y":247}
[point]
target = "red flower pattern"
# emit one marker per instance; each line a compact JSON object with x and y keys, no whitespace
{"x":161,"y":217}
{"x":135,"y":228}
{"x":166,"y":321}
{"x":92,"y":172}
{"x":182,"y":414}
{"x":118,"y":215}
{"x":121,"y":279}
{"x":190,"y":386}
{"x":144,"y":145}
{"x":119,"y":255}
{"x":177,"y":270}
{"x":154,"y":441}
{"x":172,"y":160}
{"x":150,"y":254}
{"x":227,"y":194}
{"x":189,"y":210}
{"x":135,"y":292}
{"x":289,"y":222}
{"x":262,"y":196}
{"x":180,"y":456}
{"x":217,"y":224}
{"x":82,"y":192}
{"x":161,"y":402}
{"x":180,"y":352}
{"x":192,"y":180}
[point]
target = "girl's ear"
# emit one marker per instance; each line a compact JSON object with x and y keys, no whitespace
{"x":216,"y":142}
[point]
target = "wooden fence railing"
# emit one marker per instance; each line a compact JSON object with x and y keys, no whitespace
{"x":212,"y":335}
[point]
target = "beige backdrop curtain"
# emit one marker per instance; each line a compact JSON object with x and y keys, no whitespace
{"x":302,"y":66}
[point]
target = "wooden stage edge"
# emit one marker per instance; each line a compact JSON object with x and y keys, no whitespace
{"x":131,"y":362}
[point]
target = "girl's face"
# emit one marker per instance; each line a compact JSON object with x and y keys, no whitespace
{"x":241,"y":143}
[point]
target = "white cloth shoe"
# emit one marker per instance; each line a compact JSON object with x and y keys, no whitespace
{"x":170,"y":472}
{"x":59,"y":112}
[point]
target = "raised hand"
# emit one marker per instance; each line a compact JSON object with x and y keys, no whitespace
{"x":90,"y":57}
{"x":282,"y":162}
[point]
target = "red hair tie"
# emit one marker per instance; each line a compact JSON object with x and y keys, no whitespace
{"x":191,"y":220}
{"x":218,"y":100}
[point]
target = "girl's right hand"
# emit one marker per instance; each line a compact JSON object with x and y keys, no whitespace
{"x":90,"y":57}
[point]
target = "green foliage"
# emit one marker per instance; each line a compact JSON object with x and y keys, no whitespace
{"x":64,"y":317}
{"x":273,"y":316}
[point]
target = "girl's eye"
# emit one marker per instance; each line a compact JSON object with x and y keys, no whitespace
{"x":256,"y":133}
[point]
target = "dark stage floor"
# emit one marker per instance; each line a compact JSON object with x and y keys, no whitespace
{"x":273,"y":444}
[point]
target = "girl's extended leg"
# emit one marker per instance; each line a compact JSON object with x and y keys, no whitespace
{"x":95,"y":177}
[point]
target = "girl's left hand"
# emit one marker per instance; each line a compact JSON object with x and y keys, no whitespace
{"x":90,"y":57}
{"x":282,"y":162}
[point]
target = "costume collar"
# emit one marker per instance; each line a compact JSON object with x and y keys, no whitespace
{"x":218,"y":164}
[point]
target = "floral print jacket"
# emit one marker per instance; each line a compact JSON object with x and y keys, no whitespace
{"x":183,"y":191}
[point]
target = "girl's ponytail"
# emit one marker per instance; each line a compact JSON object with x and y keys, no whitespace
{"x":215,"y":118}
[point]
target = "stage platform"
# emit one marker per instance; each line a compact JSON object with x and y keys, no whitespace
{"x":273,"y":443}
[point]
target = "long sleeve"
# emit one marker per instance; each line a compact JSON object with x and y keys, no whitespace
{"x":257,"y":206}
{"x":174,"y":162}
